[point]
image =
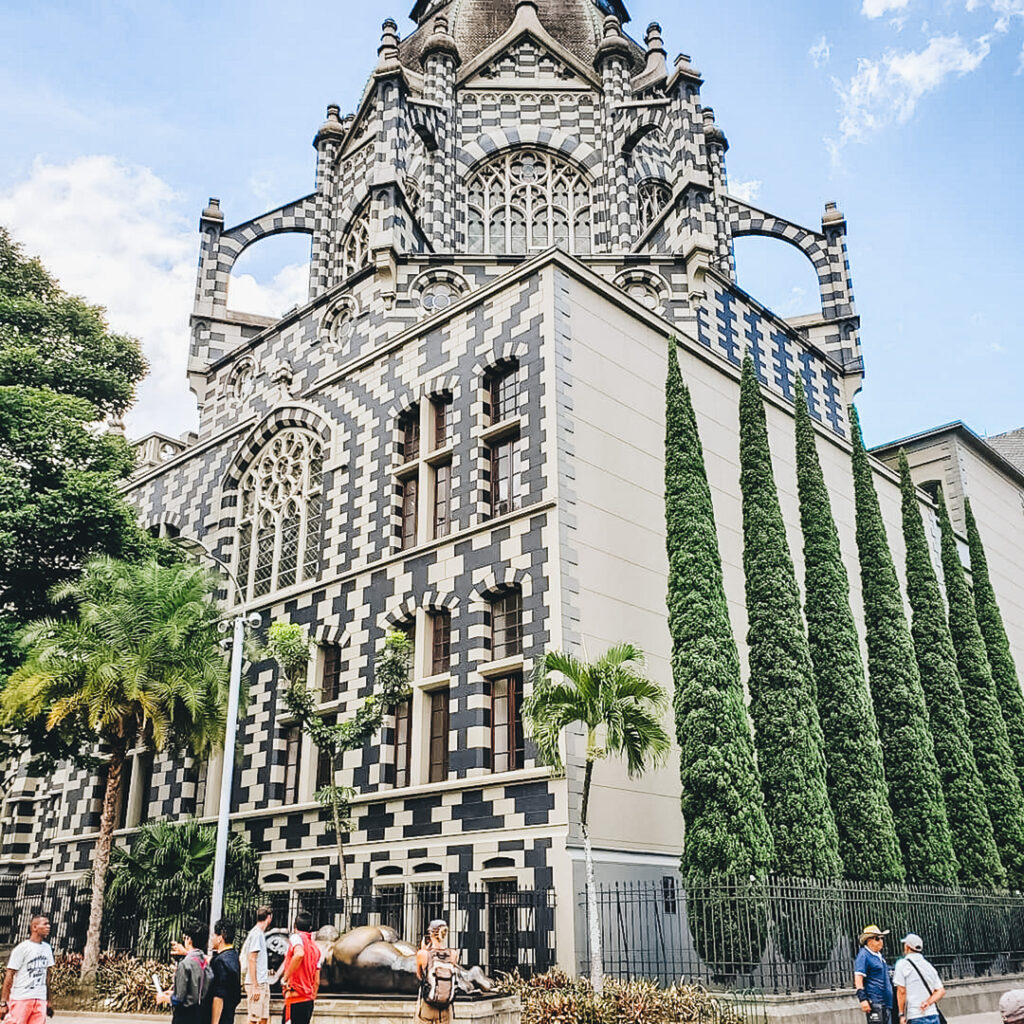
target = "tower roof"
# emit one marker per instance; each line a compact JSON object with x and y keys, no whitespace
{"x":577,"y":24}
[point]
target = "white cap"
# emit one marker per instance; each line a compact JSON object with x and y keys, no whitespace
{"x":915,"y":942}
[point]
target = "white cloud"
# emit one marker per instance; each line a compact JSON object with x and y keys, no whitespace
{"x":748,"y":191}
{"x":118,"y":235}
{"x":820,"y":52}
{"x":887,"y":90}
{"x":1005,"y":10}
{"x":289,"y":287}
{"x":876,"y":8}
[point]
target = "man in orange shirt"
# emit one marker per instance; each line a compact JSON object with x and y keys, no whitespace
{"x":300,"y":982}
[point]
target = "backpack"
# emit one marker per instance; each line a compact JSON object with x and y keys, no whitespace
{"x":439,"y":988}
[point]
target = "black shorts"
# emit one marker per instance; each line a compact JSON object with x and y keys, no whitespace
{"x":298,"y":1013}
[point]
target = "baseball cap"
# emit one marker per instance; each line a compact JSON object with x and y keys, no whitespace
{"x":915,"y":942}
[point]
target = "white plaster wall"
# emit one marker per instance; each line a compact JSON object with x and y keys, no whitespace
{"x":616,"y":376}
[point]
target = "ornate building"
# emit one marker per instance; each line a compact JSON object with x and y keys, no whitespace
{"x":459,"y":434}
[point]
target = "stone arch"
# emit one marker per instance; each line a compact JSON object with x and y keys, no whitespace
{"x":291,"y":415}
{"x":570,"y":147}
{"x":747,"y":220}
{"x":502,"y":353}
{"x":497,"y":579}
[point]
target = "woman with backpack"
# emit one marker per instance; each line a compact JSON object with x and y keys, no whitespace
{"x":436,"y":967}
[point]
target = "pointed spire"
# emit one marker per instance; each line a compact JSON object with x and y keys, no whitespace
{"x":441,"y":41}
{"x":713,"y":135}
{"x":332,"y":127}
{"x":388,"y":49}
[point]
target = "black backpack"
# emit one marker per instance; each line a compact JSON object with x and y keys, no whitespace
{"x":439,"y":989}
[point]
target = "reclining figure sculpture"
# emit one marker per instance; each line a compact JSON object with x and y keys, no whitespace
{"x":375,"y":959}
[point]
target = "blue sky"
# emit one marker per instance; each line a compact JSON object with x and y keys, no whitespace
{"x":120,"y":118}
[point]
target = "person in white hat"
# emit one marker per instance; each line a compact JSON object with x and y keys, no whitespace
{"x":871,"y":976}
{"x":918,"y":986}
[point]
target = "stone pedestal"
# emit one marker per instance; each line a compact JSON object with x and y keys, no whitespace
{"x":391,"y":1010}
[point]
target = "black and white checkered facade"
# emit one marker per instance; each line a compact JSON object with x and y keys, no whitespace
{"x":390,"y":225}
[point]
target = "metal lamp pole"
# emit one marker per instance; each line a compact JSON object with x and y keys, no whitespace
{"x":238,"y":624}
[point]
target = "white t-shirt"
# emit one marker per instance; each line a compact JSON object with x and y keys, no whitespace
{"x":256,"y":942}
{"x":31,"y":960}
{"x":908,"y":978}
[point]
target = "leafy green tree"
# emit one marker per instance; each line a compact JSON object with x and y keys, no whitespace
{"x":727,"y":835}
{"x":857,"y":790}
{"x":62,"y":372}
{"x":289,"y":645}
{"x":990,"y":619}
{"x":973,"y":840}
{"x":787,"y":730}
{"x":915,"y":786}
{"x":166,"y":877}
{"x":621,"y":712}
{"x":992,"y":751}
{"x":138,"y":663}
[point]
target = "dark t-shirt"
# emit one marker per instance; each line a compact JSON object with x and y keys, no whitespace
{"x":227,"y":985}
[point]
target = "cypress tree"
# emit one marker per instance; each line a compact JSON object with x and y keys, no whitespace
{"x":855,"y":776}
{"x":969,"y":823}
{"x":915,"y":788}
{"x":1004,"y":672}
{"x":988,"y":730}
{"x":787,"y":730}
{"x":727,"y":834}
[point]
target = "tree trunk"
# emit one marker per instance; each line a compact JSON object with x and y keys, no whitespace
{"x":593,"y":918}
{"x":101,"y":861}
{"x":339,"y":839}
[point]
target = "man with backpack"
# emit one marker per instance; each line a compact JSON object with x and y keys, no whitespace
{"x":300,"y":981}
{"x":437,"y":968}
{"x":192,"y":977}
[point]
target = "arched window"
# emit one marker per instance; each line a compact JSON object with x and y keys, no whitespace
{"x":653,"y":196}
{"x":355,"y":251}
{"x":281,"y":513}
{"x":525,"y":200}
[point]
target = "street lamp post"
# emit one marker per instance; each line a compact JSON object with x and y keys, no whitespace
{"x":237,"y":625}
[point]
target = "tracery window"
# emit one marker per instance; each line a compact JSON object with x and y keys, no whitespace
{"x":526,"y":200}
{"x":653,"y":196}
{"x":281,"y":513}
{"x":355,"y":253}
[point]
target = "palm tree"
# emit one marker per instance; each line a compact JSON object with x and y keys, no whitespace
{"x":622,"y":712}
{"x":137,"y":664}
{"x":166,"y":877}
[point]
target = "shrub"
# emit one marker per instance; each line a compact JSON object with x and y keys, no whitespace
{"x":555,"y":998}
{"x":124,"y":984}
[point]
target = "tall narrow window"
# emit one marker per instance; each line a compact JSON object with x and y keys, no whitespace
{"x":443,"y":421}
{"x":527,"y":200}
{"x":503,"y":394}
{"x":144,"y":782}
{"x":410,"y":496}
{"x":506,"y":476}
{"x":281,"y":513}
{"x":652,"y":197}
{"x":403,"y":743}
{"x":409,"y":425}
{"x":441,"y":654}
{"x":507,"y":753}
{"x":330,"y":677}
{"x":325,"y":761}
{"x":438,"y":735}
{"x":391,"y":906}
{"x":507,"y":624}
{"x":355,"y":249}
{"x":293,"y":754}
{"x":442,"y":499}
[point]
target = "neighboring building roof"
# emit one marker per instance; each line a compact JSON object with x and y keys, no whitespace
{"x":577,"y":24}
{"x":1010,"y":445}
{"x":994,"y":453}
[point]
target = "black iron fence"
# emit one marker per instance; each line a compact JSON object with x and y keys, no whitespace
{"x":497,"y":925}
{"x":780,"y":936}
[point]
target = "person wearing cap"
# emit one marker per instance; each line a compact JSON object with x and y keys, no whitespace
{"x":918,"y":987}
{"x":871,"y":975}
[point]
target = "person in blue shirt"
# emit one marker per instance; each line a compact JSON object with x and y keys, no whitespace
{"x":871,"y":976}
